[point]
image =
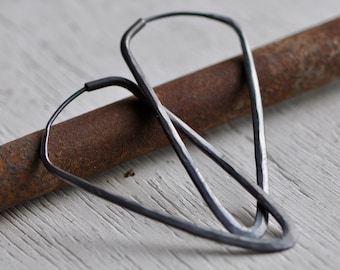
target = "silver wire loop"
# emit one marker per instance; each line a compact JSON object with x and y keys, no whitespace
{"x":225,"y":217}
{"x":238,"y":235}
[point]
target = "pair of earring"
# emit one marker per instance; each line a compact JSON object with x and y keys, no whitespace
{"x":237,"y":234}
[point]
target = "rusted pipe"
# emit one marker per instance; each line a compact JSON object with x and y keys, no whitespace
{"x":98,"y":140}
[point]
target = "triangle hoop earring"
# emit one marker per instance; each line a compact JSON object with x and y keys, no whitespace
{"x":237,"y":234}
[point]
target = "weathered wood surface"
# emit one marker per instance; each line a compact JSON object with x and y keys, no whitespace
{"x":48,"y":50}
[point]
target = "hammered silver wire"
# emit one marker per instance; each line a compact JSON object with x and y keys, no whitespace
{"x":239,"y":235}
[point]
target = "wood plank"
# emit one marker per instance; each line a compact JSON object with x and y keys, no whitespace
{"x":48,"y":50}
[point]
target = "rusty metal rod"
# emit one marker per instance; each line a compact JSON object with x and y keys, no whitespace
{"x":100,"y":139}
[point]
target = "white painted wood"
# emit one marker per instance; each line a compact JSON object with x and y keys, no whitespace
{"x":49,"y":49}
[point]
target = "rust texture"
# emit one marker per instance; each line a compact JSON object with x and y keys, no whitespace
{"x":98,"y":140}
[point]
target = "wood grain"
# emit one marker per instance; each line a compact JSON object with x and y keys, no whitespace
{"x":48,"y":50}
